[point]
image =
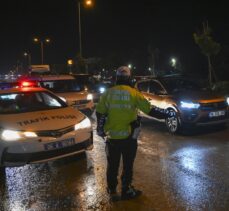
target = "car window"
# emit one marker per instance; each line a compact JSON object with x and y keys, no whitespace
{"x":180,"y":84}
{"x":156,"y":88}
{"x":86,"y":81}
{"x":143,"y":86}
{"x":28,"y":101}
{"x":50,"y":101}
{"x":59,"y":86}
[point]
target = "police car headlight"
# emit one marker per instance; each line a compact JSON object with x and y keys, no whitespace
{"x":89,"y":97}
{"x":86,"y":123}
{"x":189,"y":105}
{"x":12,"y":135}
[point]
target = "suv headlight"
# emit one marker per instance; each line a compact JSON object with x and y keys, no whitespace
{"x":227,"y":101}
{"x":86,"y":123}
{"x":189,"y":105}
{"x":13,"y":135}
{"x":89,"y":97}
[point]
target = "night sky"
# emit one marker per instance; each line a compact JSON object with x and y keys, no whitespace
{"x":125,"y":28}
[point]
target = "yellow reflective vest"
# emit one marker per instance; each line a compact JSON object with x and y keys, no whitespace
{"x":121,"y":104}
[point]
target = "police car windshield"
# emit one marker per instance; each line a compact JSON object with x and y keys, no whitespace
{"x":11,"y":103}
{"x":61,"y":86}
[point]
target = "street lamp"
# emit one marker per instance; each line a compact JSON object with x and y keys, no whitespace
{"x":26,"y":54}
{"x":173,"y":62}
{"x":37,"y":40}
{"x":70,"y":63}
{"x":86,"y":3}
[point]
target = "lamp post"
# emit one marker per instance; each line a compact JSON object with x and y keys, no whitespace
{"x":87,"y":3}
{"x":47,"y":40}
{"x":70,"y":63}
{"x":173,"y":62}
{"x":26,"y":54}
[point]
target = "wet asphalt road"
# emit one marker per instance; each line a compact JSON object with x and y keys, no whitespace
{"x":186,"y":172}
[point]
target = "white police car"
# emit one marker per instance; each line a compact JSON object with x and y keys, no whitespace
{"x":37,"y":126}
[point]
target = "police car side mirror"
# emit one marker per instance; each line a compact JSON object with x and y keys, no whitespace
{"x":65,"y":100}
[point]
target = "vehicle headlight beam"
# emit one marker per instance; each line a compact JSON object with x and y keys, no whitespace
{"x":86,"y":123}
{"x":189,"y":105}
{"x":102,"y":89}
{"x":12,"y":135}
{"x":89,"y":97}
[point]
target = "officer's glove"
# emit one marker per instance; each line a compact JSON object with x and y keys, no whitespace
{"x":101,"y":118}
{"x":101,"y":133}
{"x":161,"y":113}
{"x":157,"y":113}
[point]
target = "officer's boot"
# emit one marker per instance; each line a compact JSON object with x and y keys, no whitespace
{"x":130,"y":192}
{"x":113,"y":194}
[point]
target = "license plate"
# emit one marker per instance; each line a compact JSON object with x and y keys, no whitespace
{"x":217,"y":114}
{"x":59,"y":144}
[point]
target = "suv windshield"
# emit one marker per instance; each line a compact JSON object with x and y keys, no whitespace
{"x":180,"y":84}
{"x":59,"y":86}
{"x":86,"y":80}
{"x":11,"y":103}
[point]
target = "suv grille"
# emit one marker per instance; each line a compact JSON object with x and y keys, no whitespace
{"x":213,"y":106}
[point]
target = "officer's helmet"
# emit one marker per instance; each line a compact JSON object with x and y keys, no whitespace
{"x":123,"y":71}
{"x":123,"y":75}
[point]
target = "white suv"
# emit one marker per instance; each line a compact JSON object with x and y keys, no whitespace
{"x":67,"y":87}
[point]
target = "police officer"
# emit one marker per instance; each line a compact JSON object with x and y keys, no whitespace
{"x":117,"y":119}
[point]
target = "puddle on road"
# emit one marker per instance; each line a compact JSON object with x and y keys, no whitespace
{"x":172,"y":176}
{"x":68,"y":183}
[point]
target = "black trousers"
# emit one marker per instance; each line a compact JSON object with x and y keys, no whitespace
{"x":115,"y":150}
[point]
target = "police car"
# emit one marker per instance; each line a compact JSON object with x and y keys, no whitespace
{"x":37,"y":126}
{"x":65,"y":86}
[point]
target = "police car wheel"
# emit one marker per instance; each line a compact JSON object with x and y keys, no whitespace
{"x":173,"y":123}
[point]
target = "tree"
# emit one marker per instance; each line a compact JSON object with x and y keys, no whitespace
{"x":209,"y":48}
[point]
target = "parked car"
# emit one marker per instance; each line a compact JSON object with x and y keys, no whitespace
{"x":191,"y":103}
{"x":86,"y":80}
{"x":37,"y":126}
{"x":67,"y":87}
{"x":92,"y":85}
{"x":100,"y":88}
{"x":7,"y":85}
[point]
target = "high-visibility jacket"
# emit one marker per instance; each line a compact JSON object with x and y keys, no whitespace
{"x":120,"y":104}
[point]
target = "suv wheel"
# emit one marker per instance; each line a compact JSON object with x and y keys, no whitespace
{"x":173,"y":124}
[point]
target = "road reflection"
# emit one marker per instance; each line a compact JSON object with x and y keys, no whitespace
{"x":54,"y":184}
{"x":187,"y":177}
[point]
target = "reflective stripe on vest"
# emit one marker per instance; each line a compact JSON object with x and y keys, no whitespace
{"x":113,"y":133}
